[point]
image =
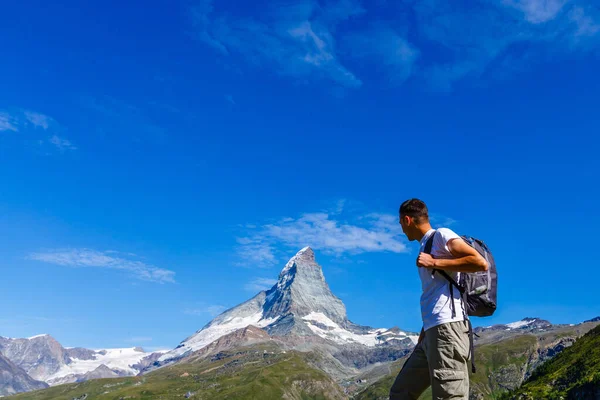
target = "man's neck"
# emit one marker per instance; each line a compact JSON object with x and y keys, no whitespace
{"x":423,"y":229}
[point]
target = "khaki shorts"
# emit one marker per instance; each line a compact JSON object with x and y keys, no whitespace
{"x":440,"y":360}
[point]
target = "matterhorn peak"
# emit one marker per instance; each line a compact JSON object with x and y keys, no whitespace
{"x":300,"y":304}
{"x":302,"y":289}
{"x":306,"y":256}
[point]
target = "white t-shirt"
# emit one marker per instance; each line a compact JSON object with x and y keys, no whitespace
{"x":435,"y":299}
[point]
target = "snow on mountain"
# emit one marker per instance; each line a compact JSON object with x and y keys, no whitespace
{"x":44,"y":359}
{"x":118,"y":360}
{"x":528,"y":323}
{"x":327,"y":329}
{"x":299,"y":304}
{"x":218,"y":328}
{"x":38,"y":336}
{"x":518,"y":324}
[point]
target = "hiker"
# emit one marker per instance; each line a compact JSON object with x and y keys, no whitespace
{"x":441,"y":356}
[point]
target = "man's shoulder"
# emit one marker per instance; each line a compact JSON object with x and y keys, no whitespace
{"x":447,"y":232}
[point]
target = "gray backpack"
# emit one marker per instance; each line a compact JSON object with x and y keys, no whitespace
{"x":478,"y":289}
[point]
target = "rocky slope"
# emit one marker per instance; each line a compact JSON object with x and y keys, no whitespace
{"x":14,"y":379}
{"x":40,"y":356}
{"x":573,"y":374}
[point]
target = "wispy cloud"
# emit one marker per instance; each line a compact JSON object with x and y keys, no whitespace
{"x":62,"y":144}
{"x":385,"y":50}
{"x":260,"y":284}
{"x":105,"y":259}
{"x":435,"y":41}
{"x":441,"y":221}
{"x":587,"y":25}
{"x":296,"y":39}
{"x":537,"y":11}
{"x":7,"y":122}
{"x":31,"y":124}
{"x":253,"y":251}
{"x":371,"y":232}
{"x":212,"y":310}
{"x":38,"y":120}
{"x":377,"y":233}
{"x":475,"y":40}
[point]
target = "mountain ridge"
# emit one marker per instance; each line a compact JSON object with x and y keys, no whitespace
{"x":43,"y":359}
{"x":300,"y":304}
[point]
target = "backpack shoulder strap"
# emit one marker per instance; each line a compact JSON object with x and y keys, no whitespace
{"x":429,"y":244}
{"x":427,"y":250}
{"x":460,"y":288}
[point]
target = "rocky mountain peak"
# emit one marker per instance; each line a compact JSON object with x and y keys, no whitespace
{"x":39,"y":355}
{"x":304,"y":258}
{"x":298,"y":307}
{"x":301,"y":289}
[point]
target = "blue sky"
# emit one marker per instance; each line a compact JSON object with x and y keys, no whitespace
{"x":160,"y":161}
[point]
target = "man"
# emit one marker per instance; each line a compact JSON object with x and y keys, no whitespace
{"x":441,"y":356}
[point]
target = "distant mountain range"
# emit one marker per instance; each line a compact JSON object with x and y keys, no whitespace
{"x":293,"y":340}
{"x":40,"y":361}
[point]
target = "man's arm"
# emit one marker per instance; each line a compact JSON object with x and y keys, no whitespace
{"x":467,"y":259}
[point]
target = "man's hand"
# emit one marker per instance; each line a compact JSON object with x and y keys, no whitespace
{"x":425,"y":261}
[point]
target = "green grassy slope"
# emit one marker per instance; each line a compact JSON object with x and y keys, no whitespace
{"x":572,"y":374}
{"x":243,"y":374}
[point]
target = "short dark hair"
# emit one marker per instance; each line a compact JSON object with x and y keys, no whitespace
{"x":415,"y":208}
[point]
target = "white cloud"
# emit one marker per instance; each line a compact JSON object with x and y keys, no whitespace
{"x":320,"y":231}
{"x":537,"y":11}
{"x":7,"y":122}
{"x":435,"y":40}
{"x":476,"y":42}
{"x":255,"y":252}
{"x":260,"y":284}
{"x":586,"y":25}
{"x":37,"y":119}
{"x":28,"y":122}
{"x":212,"y":310}
{"x":110,"y":260}
{"x":296,"y":39}
{"x":323,"y":231}
{"x":61,"y":143}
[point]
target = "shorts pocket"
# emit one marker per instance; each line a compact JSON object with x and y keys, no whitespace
{"x":450,"y":384}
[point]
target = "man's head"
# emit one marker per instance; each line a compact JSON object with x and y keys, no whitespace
{"x":414,"y":219}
